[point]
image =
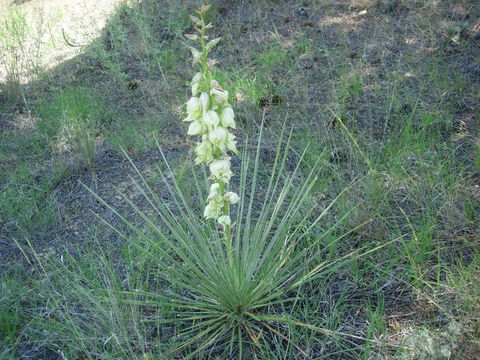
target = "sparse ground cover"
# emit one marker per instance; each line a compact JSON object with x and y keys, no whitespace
{"x":384,"y":92}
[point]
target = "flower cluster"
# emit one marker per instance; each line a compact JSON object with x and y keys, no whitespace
{"x":211,"y":116}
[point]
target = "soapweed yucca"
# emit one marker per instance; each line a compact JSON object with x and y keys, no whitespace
{"x":213,"y":296}
{"x":222,"y":278}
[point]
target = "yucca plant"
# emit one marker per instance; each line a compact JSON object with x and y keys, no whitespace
{"x":223,"y":279}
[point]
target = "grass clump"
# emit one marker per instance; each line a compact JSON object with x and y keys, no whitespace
{"x":71,"y":119}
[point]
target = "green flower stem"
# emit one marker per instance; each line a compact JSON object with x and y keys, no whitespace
{"x":227,"y":229}
{"x":203,"y":30}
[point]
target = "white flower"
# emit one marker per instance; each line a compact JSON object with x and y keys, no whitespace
{"x":203,"y":152}
{"x":194,"y":109}
{"x":211,"y":211}
{"x":231,"y":197}
{"x":193,"y":104}
{"x":195,"y":128}
{"x":224,"y":220}
{"x":220,"y":169}
{"x":211,"y":118}
{"x":204,"y":101}
{"x":226,"y":117}
{"x":213,"y":191}
{"x":219,"y":95}
{"x":218,"y":137}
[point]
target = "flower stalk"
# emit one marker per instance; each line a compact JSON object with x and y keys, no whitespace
{"x":211,"y":117}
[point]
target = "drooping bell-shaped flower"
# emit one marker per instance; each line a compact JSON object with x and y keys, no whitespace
{"x":194,"y":109}
{"x":204,"y":152}
{"x":211,"y":118}
{"x":220,"y":169}
{"x":212,"y":211}
{"x":219,"y":96}
{"x":231,"y":197}
{"x":224,"y":220}
{"x":218,"y":137}
{"x":214,"y":191}
{"x":227,"y":117}
{"x":195,"y":128}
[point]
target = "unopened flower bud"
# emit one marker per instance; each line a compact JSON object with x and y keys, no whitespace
{"x":192,"y":36}
{"x":212,"y":43}
{"x":196,"y":20}
{"x":203,"y":9}
{"x":196,"y":55}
